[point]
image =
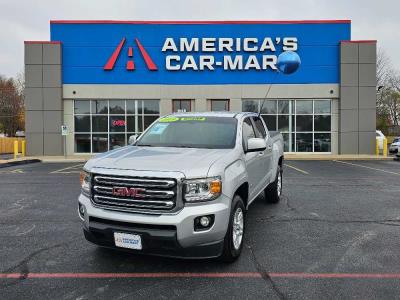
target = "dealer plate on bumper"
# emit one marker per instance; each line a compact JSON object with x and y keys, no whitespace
{"x":127,"y":240}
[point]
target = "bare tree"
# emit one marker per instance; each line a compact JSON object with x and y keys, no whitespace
{"x":382,"y":67}
{"x":388,"y":91}
{"x":11,"y":106}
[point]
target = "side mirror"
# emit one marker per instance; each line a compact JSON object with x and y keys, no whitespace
{"x":256,"y":144}
{"x":132,"y":139}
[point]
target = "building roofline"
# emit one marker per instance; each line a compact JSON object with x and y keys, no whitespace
{"x":42,"y":42}
{"x":201,"y":22}
{"x":359,"y":41}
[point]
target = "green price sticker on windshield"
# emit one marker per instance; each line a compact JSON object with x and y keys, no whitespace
{"x":182,"y":119}
{"x":193,"y":119}
{"x":168,"y":119}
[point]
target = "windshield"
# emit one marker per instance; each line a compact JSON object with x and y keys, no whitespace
{"x":396,"y":140}
{"x":191,"y":132}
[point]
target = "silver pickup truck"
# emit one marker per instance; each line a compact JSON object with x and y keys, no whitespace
{"x":183,"y":187}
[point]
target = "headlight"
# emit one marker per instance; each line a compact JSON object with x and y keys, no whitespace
{"x":85,"y":182}
{"x":202,"y":189}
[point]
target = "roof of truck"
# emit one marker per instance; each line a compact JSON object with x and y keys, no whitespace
{"x":226,"y":114}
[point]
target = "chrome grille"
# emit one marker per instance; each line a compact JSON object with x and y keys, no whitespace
{"x":156,"y":194}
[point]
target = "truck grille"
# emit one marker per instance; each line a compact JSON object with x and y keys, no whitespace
{"x":134,"y":193}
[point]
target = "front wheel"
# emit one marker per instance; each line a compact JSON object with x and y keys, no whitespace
{"x":273,"y":192}
{"x":233,"y":242}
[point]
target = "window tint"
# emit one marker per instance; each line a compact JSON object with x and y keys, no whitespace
{"x":181,"y":105}
{"x":304,"y":107}
{"x":149,"y":107}
{"x":304,"y":123}
{"x":82,"y":143}
{"x":99,"y":107}
{"x":283,"y":106}
{"x":191,"y":132}
{"x":247,"y":132}
{"x":82,"y":123}
{"x":117,"y":106}
{"x":250,"y":105}
{"x":268,"y":107}
{"x":219,"y":105}
{"x":82,"y":107}
{"x":322,"y":123}
{"x":260,"y":129}
{"x":270,"y":121}
{"x":322,"y":106}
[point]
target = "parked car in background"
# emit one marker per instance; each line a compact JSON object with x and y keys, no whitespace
{"x":379,"y":138}
{"x":395,"y":146}
{"x":20,"y":133}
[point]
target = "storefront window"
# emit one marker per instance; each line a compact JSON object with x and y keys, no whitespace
{"x":82,"y":123}
{"x":179,"y":105}
{"x":99,"y":124}
{"x":305,"y":124}
{"x":82,"y":107}
{"x":82,"y":143}
{"x":117,"y":107}
{"x":117,"y":124}
{"x":99,"y":107}
{"x":102,"y":125}
{"x":269,"y":107}
{"x":220,"y":105}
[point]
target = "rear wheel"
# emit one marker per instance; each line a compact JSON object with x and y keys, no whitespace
{"x":233,"y":242}
{"x":273,"y":192}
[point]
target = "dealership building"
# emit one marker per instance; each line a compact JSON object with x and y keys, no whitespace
{"x":108,"y":80}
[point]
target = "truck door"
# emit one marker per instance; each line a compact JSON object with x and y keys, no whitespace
{"x":266,"y":155}
{"x":252,"y":159}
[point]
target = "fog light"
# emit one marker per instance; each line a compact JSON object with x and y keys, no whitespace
{"x":81,"y":210}
{"x":203,"y":222}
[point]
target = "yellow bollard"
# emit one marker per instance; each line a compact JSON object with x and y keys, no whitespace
{"x":23,"y":148}
{"x":385,"y":148}
{"x":377,"y":147}
{"x":15,"y":149}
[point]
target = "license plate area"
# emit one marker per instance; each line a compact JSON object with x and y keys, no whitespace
{"x":128,"y":240}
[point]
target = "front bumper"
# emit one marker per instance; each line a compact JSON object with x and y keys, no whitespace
{"x":166,"y":234}
{"x":155,"y":241}
{"x":394,"y":150}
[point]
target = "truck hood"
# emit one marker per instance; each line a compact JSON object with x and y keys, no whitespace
{"x":189,"y":161}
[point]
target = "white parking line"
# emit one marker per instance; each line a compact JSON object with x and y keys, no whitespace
{"x":65,"y":170}
{"x":297,"y":169}
{"x":16,"y":171}
{"x":362,"y":166}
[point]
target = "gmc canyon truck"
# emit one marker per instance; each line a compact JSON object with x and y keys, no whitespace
{"x":183,"y":187}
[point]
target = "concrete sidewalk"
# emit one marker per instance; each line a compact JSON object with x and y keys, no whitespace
{"x":47,"y":159}
{"x":84,"y":158}
{"x":310,"y":156}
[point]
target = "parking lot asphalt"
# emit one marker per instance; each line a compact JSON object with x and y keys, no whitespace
{"x":335,"y":234}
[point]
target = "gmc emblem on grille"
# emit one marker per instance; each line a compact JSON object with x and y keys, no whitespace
{"x":128,"y":192}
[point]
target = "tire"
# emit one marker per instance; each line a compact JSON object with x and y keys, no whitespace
{"x":273,"y":192}
{"x":233,"y":247}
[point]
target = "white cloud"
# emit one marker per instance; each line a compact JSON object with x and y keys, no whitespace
{"x":29,"y":20}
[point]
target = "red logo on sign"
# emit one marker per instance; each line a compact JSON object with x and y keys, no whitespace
{"x":130,"y":65}
{"x":128,"y":192}
{"x":118,"y":123}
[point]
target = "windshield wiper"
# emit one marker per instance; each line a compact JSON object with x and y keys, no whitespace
{"x":183,"y":146}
